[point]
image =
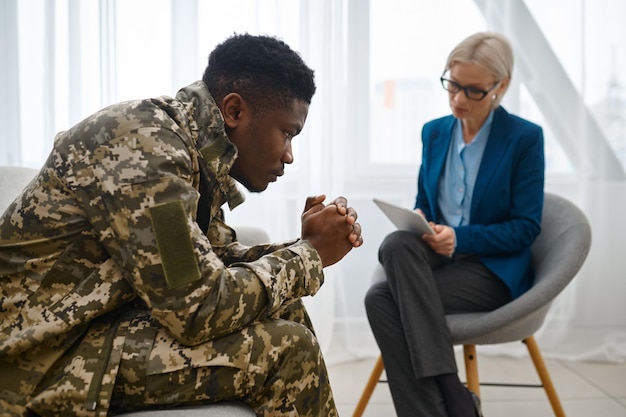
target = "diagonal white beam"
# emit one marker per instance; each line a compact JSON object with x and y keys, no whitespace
{"x":564,"y":108}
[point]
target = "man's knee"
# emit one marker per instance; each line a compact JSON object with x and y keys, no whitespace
{"x":285,"y":342}
{"x":291,"y":374}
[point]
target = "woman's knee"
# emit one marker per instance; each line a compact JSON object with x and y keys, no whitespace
{"x":398,"y":243}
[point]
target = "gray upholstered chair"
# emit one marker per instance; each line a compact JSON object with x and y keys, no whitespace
{"x":14,"y":179}
{"x":558,"y":255}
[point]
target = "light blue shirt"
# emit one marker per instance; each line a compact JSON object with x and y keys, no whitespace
{"x":456,"y":185}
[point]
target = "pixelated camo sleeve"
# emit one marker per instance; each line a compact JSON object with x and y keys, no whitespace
{"x":138,"y":191}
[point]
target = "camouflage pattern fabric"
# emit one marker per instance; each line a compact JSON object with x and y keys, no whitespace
{"x":107,"y":280}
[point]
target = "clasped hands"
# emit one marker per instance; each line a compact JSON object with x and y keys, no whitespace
{"x":332,"y":229}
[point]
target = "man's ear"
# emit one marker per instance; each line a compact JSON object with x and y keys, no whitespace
{"x":234,"y":110}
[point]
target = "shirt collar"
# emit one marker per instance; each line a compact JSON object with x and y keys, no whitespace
{"x":481,"y":136}
{"x":218,"y":152}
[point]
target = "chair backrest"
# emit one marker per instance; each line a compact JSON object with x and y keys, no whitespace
{"x":12,"y":182}
{"x":560,"y":249}
{"x":557,"y":255}
{"x":251,"y":235}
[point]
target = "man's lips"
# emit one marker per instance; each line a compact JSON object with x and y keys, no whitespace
{"x":275,"y":174}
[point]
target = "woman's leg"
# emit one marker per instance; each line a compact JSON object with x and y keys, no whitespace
{"x":412,"y":397}
{"x":466,"y":285}
{"x":408,"y":263}
{"x":407,"y":318}
{"x":410,"y":307}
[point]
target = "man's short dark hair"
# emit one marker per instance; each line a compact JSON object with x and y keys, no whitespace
{"x":264,"y":70}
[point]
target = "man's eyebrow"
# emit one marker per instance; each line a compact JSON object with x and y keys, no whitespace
{"x":297,"y":127}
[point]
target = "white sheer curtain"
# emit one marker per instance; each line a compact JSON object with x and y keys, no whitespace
{"x":576,"y":85}
{"x":377,"y":64}
{"x":570,"y":61}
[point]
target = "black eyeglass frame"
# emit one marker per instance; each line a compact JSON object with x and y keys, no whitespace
{"x":459,"y":87}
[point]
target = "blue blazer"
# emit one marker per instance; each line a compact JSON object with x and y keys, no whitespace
{"x":505,"y":216}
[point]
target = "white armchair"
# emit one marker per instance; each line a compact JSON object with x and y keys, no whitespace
{"x":12,"y":182}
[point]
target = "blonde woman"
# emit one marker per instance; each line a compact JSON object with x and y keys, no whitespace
{"x":480,"y":184}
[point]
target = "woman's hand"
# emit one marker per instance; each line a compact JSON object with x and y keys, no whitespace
{"x":443,"y":241}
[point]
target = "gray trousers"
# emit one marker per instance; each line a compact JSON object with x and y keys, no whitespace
{"x":407,"y":316}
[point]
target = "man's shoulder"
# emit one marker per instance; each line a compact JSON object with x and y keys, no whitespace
{"x":116,"y":120}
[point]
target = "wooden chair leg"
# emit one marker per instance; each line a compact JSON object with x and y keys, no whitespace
{"x":369,"y":388}
{"x":471,"y":368}
{"x":544,"y":376}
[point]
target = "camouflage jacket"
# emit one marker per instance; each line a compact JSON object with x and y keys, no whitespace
{"x":111,"y":221}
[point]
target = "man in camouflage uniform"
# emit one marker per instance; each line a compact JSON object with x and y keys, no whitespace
{"x":122,"y":287}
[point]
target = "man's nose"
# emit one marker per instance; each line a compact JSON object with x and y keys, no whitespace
{"x":288,"y":154}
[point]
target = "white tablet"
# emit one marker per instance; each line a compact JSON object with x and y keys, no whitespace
{"x":404,"y":218}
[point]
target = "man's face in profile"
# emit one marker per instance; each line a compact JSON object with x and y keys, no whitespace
{"x":264,"y":144}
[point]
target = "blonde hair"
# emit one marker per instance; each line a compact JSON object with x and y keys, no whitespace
{"x":491,"y":51}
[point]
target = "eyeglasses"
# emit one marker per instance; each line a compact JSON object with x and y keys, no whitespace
{"x":472,"y":93}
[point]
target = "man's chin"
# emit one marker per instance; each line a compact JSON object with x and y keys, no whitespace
{"x":253,"y":188}
{"x":256,"y":188}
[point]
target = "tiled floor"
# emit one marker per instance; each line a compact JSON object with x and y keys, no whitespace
{"x":585,"y":389}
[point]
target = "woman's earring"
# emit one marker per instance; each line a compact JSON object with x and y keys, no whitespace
{"x":493,"y":97}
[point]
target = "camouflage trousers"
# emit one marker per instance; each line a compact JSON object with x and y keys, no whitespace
{"x":275,"y":366}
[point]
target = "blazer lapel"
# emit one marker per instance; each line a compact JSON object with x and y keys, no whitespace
{"x":497,"y":145}
{"x":438,"y":153}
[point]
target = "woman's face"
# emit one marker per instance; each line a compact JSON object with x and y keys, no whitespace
{"x":476,"y":77}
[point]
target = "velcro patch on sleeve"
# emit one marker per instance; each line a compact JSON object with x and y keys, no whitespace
{"x":173,"y":237}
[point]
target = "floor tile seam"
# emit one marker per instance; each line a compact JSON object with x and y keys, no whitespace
{"x":587,"y":380}
{"x":581,"y":400}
